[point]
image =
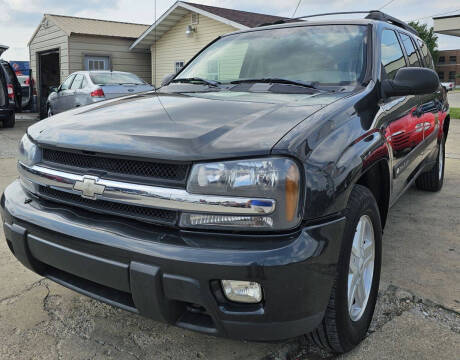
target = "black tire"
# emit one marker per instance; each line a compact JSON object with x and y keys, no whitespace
{"x":10,"y":121}
{"x":337,"y":332}
{"x":433,"y":179}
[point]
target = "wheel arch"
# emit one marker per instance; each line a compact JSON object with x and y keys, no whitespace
{"x":377,"y":179}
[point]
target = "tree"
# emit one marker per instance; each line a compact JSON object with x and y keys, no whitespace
{"x":427,"y":34}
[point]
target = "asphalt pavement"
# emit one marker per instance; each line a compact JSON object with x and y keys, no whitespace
{"x":417,"y":314}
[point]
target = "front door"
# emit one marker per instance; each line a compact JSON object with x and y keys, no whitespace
{"x":63,"y":98}
{"x":401,"y":118}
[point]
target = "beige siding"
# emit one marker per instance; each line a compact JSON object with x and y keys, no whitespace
{"x":117,"y":49}
{"x":176,"y":46}
{"x":49,"y":38}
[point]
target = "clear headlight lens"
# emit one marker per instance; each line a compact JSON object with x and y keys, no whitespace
{"x":266,"y":178}
{"x":29,"y":153}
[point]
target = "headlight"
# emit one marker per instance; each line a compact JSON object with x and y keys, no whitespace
{"x":268,"y":178}
{"x":29,"y":153}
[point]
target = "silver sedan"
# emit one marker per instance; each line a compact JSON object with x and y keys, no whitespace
{"x":86,"y":87}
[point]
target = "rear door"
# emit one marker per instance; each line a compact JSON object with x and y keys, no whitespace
{"x":75,"y":98}
{"x":432,"y":106}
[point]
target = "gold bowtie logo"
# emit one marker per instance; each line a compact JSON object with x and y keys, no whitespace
{"x":89,"y":187}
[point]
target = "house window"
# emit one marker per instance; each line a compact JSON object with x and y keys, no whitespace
{"x":195,"y":18}
{"x":442,"y":59}
{"x":441,"y":75}
{"x":94,"y":63}
{"x":452,"y":75}
{"x":453,"y":59}
{"x":178,"y":65}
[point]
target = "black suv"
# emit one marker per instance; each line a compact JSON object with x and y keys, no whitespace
{"x":245,"y":198}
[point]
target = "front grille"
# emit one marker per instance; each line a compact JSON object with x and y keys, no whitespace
{"x":152,"y":215}
{"x":115,"y":166}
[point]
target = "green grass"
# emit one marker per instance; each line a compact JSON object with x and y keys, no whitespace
{"x":455,"y":113}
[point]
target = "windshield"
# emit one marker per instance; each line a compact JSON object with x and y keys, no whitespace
{"x":329,"y":54}
{"x":113,"y":78}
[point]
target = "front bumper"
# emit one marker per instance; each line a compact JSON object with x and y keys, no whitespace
{"x":173,"y":276}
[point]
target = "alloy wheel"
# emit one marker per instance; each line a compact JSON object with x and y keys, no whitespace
{"x":361,"y":268}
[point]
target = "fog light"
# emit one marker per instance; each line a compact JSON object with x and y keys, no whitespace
{"x":242,"y":291}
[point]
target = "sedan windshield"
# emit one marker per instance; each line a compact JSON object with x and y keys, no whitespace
{"x":329,"y":55}
{"x":114,"y":78}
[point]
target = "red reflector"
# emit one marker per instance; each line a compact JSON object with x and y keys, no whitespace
{"x":10,"y":92}
{"x":97,"y":93}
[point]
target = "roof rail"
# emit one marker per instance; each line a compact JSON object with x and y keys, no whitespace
{"x":372,"y":15}
{"x":378,"y":15}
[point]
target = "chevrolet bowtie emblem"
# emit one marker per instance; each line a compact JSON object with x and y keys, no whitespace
{"x":89,"y":187}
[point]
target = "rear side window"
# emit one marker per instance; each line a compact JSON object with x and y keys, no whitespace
{"x":2,"y":91}
{"x":410,"y":50}
{"x":392,"y":54}
{"x":84,"y":83}
{"x":9,"y":72}
{"x":427,"y":59}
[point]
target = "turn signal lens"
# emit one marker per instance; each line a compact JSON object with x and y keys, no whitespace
{"x":292,"y":192}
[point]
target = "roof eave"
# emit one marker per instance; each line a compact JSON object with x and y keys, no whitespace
{"x":190,"y":8}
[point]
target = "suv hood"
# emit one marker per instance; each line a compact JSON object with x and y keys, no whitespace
{"x":183,"y":127}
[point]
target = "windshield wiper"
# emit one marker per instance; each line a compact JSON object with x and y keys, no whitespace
{"x":198,"y":80}
{"x":310,"y":85}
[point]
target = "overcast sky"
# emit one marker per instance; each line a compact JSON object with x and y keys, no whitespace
{"x":19,"y":18}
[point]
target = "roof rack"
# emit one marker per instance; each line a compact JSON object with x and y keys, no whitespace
{"x":372,"y":15}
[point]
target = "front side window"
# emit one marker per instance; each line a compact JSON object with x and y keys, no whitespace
{"x":77,"y":82}
{"x":410,"y":50}
{"x":392,"y":55}
{"x":67,"y":83}
{"x":323,"y":54}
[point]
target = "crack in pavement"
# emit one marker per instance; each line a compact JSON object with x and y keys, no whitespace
{"x":12,"y":298}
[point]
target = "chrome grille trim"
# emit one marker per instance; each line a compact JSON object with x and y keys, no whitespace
{"x":149,"y":196}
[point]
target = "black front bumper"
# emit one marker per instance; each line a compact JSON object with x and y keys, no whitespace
{"x":173,"y":276}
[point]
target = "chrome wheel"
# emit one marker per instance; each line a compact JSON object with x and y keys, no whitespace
{"x":361,"y":268}
{"x":441,"y":160}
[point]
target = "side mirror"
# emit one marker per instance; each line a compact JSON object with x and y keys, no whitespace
{"x":167,"y":79}
{"x":411,"y":81}
{"x":53,"y":89}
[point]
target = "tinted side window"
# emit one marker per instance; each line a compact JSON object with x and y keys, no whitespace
{"x":67,"y":83}
{"x":77,"y":82}
{"x":2,"y":91}
{"x":410,"y":50}
{"x":392,"y":55}
{"x":427,"y":59}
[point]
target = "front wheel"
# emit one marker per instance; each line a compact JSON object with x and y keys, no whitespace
{"x":354,"y":294}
